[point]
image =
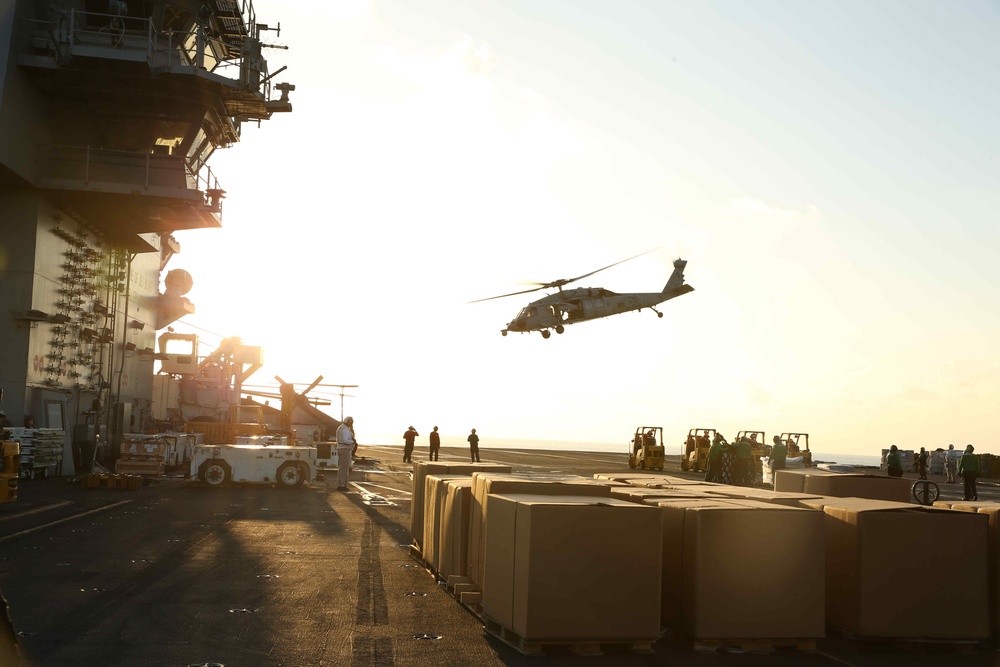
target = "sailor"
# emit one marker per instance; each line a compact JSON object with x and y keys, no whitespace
{"x":741,"y":466}
{"x":893,"y":462}
{"x":474,"y":446}
{"x":922,"y":463}
{"x":778,"y":454}
{"x":435,"y":442}
{"x":951,"y":458}
{"x":968,"y":468}
{"x":346,"y":443}
{"x":408,"y":437}
{"x":714,"y":471}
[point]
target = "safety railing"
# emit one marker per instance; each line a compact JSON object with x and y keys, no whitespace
{"x":88,"y":165}
{"x":136,"y":38}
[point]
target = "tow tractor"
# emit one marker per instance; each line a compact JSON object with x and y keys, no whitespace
{"x":699,"y":441}
{"x":646,"y":450}
{"x":262,"y":459}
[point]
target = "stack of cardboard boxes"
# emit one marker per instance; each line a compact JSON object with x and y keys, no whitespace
{"x":621,"y":556}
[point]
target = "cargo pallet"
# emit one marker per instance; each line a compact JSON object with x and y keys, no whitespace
{"x":591,"y":647}
{"x":111,"y":481}
{"x":755,"y":645}
{"x":916,"y":644}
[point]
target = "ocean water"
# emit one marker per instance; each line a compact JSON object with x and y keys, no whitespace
{"x":486,"y":442}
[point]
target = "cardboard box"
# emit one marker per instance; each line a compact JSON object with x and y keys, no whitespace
{"x":423,"y":468}
{"x":435,"y":487}
{"x":793,"y":479}
{"x":560,"y":568}
{"x":668,"y":481}
{"x":642,"y":495}
{"x":673,"y":552}
{"x":485,"y":484}
{"x":787,"y":498}
{"x":992,"y":510}
{"x":743,"y":569}
{"x":626,"y":476}
{"x":886,"y":565}
{"x":874,"y":487}
{"x":454,"y":545}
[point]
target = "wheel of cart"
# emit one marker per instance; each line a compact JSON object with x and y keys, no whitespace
{"x":925,"y":491}
{"x":215,"y":472}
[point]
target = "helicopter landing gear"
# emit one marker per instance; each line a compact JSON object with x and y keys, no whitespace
{"x":658,"y":313}
{"x":546,"y":333}
{"x":560,"y":328}
{"x":503,"y":332}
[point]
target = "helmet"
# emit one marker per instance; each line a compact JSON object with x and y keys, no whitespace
{"x":348,"y":420}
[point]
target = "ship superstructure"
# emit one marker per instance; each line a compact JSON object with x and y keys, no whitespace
{"x":109,"y":113}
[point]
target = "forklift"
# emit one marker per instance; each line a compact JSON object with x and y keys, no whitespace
{"x":10,"y":462}
{"x":798,"y":445}
{"x":646,"y":451}
{"x":759,"y":449}
{"x":695,"y":456}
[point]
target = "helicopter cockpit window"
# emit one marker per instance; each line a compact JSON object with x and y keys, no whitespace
{"x":524,"y":314}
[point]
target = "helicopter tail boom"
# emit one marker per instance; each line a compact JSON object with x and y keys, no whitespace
{"x":675,"y":286}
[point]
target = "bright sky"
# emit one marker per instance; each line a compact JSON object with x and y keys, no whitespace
{"x":830,"y":170}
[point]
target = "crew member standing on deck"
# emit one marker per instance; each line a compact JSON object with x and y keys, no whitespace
{"x":409,"y":437}
{"x":474,"y":446}
{"x":968,"y":468}
{"x":346,"y":445}
{"x":893,"y":462}
{"x":922,"y":463}
{"x":714,"y":471}
{"x":779,"y":452}
{"x":741,"y":467}
{"x":951,"y":458}
{"x":435,"y":439}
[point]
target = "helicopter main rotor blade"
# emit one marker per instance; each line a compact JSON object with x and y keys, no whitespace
{"x":489,"y":298}
{"x":562,"y":281}
{"x":566,"y":281}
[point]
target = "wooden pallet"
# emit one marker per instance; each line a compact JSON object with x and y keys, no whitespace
{"x":918,"y":644}
{"x":538,"y":647}
{"x":755,"y":645}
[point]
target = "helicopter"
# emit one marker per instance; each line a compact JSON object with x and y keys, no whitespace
{"x":564,"y":307}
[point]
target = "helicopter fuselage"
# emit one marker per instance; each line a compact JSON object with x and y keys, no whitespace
{"x":569,"y":306}
{"x":555,"y":311}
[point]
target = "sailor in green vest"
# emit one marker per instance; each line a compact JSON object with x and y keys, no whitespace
{"x":893,"y":462}
{"x":714,"y":471}
{"x":779,"y":452}
{"x":968,"y":468}
{"x":741,"y":466}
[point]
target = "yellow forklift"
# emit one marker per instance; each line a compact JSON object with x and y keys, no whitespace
{"x":10,"y":462}
{"x":798,"y":445}
{"x":759,"y":448}
{"x":646,"y":451}
{"x":695,"y":456}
